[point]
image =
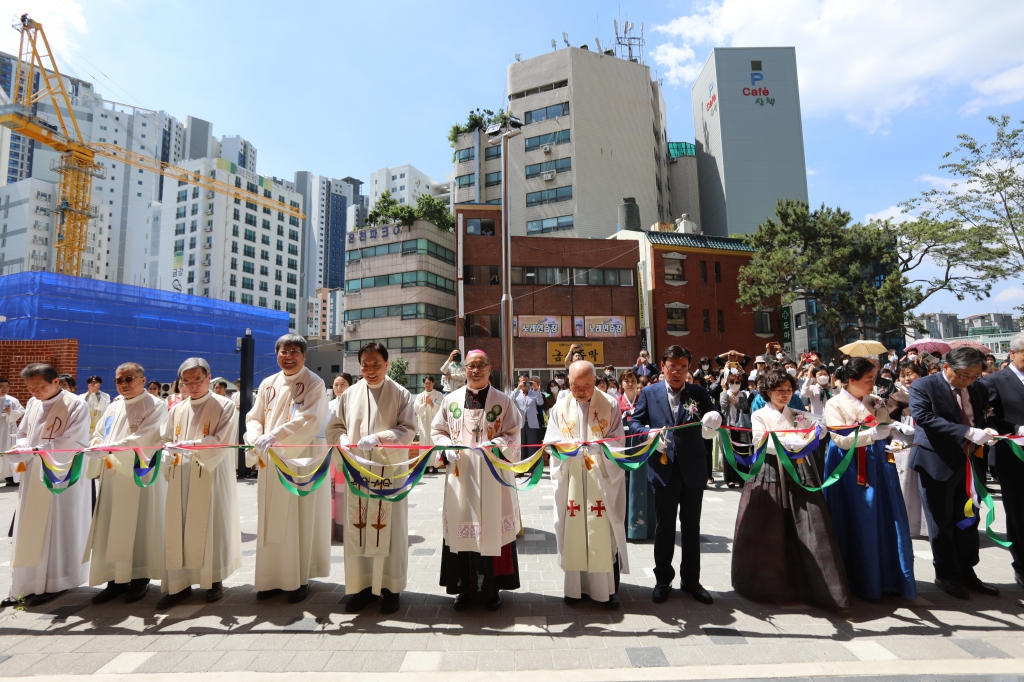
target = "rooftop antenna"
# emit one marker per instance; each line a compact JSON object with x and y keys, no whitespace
{"x":631,"y":45}
{"x":554,"y":45}
{"x":565,"y":38}
{"x":598,"y":41}
{"x":519,"y":57}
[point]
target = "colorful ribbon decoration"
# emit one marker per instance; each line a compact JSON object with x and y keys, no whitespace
{"x":301,"y":485}
{"x":54,"y":483}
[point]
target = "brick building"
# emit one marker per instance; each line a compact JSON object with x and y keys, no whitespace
{"x":16,"y":355}
{"x":565,"y":290}
{"x":690,"y":291}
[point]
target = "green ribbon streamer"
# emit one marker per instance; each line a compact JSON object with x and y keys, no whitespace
{"x":990,"y":510}
{"x":844,"y":464}
{"x":73,"y":476}
{"x":730,"y":457}
{"x":370,"y":495}
{"x":1016,"y":449}
{"x":154,"y":474}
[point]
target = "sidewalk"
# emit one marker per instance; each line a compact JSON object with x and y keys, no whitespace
{"x":534,"y":630}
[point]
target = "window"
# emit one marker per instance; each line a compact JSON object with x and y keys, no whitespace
{"x":762,"y":322}
{"x":180,"y":212}
{"x":191,"y":242}
{"x":263,"y":300}
{"x":250,"y":219}
{"x":247,"y":282}
{"x":704,"y":271}
{"x":492,"y":179}
{"x":564,"y":222}
{"x":800,"y":320}
{"x":251,"y":206}
{"x":277,"y":304}
{"x":414,"y":278}
{"x":293,"y":250}
{"x":535,"y":275}
{"x":265,"y":239}
{"x":179,"y":229}
{"x":559,"y":137}
{"x":234,"y":263}
{"x":483,"y":274}
{"x":277,"y":290}
{"x":236,"y":215}
{"x":191,"y":277}
{"x":264,"y":254}
{"x":481,"y":227}
{"x":677,"y":320}
{"x":264,"y":271}
{"x":265,"y":224}
{"x":549,"y":196}
{"x":492,"y":153}
{"x":603,"y":276}
{"x":292,"y":220}
{"x":290,"y":293}
{"x":542,"y":88}
{"x":292,"y":277}
{"x":707,"y":320}
{"x":407,"y":311}
{"x":467,"y":154}
{"x":466,"y":180}
{"x":233,"y":280}
{"x":231,"y":296}
{"x":279,"y":260}
{"x":482,"y":326}
{"x":234,"y":247}
{"x":293,"y":264}
{"x":718,"y":272}
{"x":182,"y":195}
{"x":250,"y":235}
{"x":755,"y":65}
{"x":280,"y":245}
{"x":234,"y":230}
{"x":721,"y":321}
{"x":248,"y":267}
{"x":293,"y":235}
{"x":674,"y":270}
{"x":277,"y":275}
{"x":246,"y":299}
{"x":557,"y":166}
{"x":553,"y":111}
{"x":249,"y":251}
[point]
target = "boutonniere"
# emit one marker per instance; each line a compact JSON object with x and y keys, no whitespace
{"x":801,"y":421}
{"x":691,"y":407}
{"x":991,"y":412}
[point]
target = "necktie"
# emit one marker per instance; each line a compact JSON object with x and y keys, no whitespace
{"x":961,"y":395}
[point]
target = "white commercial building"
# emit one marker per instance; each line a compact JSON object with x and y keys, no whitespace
{"x":406,"y":183}
{"x":210,"y":244}
{"x":749,"y":137}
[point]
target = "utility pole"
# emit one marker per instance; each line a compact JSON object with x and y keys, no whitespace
{"x":246,"y":346}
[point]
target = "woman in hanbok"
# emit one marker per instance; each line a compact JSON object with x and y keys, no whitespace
{"x":903,"y":424}
{"x":784,"y":549}
{"x":866,"y":503}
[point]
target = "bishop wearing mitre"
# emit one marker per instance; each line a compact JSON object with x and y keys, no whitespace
{"x":480,"y":516}
{"x":126,"y":540}
{"x":293,"y":532}
{"x":202,"y":539}
{"x":375,"y":411}
{"x":49,"y":529}
{"x":590,"y":491}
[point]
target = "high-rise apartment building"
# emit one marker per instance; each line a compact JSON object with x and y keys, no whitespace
{"x":749,"y":137}
{"x":209,"y":244}
{"x":594,"y":132}
{"x":406,"y":183}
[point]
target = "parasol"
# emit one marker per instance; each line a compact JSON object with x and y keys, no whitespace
{"x":864,"y":349}
{"x":970,"y":343}
{"x":929,"y":346}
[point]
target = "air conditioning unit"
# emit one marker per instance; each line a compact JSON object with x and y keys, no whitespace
{"x":206,"y":280}
{"x":547,"y":177}
{"x":546,"y":148}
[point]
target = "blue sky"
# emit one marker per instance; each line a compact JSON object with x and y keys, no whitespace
{"x":343,"y":88}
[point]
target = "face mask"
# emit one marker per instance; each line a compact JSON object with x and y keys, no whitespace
{"x":560,"y":382}
{"x":613,"y":392}
{"x":705,"y":366}
{"x":734,"y":371}
{"x":823,"y":380}
{"x":912,"y":358}
{"x":734,"y":388}
{"x":779,"y":356}
{"x":845,"y":361}
{"x":554,"y":390}
{"x":791,"y":371}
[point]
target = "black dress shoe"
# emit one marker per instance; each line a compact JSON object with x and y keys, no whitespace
{"x":974,"y":583}
{"x":360,"y":601}
{"x":109,"y":592}
{"x":8,"y":602}
{"x":612,"y":603}
{"x":295,"y":596}
{"x":660,"y":594}
{"x":572,"y":601}
{"x":45,"y":597}
{"x":952,"y":588}
{"x":136,"y":590}
{"x":268,"y":594}
{"x":169,"y":600}
{"x":215,"y":592}
{"x":390,"y":602}
{"x":494,"y":603}
{"x":698,"y":592}
{"x":462,"y":602}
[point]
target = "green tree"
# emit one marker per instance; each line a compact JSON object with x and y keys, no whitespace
{"x":382,"y":210}
{"x":397,"y":369}
{"x":435,"y":211}
{"x":478,"y":119}
{"x":865,"y":279}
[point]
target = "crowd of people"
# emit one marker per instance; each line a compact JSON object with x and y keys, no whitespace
{"x":839,"y":468}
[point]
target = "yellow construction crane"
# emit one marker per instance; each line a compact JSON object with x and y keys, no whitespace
{"x":77,"y":165}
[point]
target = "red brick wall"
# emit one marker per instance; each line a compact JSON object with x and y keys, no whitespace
{"x":15,"y":355}
{"x":739,"y":322}
{"x":484,"y":299}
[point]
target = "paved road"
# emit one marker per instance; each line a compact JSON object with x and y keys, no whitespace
{"x":935,"y":636}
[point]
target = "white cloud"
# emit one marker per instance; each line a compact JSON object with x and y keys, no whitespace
{"x":1009,"y":295}
{"x":812,"y":171}
{"x":867,"y":59}
{"x":62,"y":21}
{"x":937,"y":182}
{"x":893,"y":213}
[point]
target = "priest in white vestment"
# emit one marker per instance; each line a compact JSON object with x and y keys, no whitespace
{"x":126,"y":540}
{"x":590,"y":491}
{"x":10,"y":412}
{"x":375,"y":411}
{"x":49,"y":530}
{"x":480,"y":517}
{"x":426,"y":407}
{"x":293,"y":534}
{"x":97,"y":400}
{"x":202,"y":538}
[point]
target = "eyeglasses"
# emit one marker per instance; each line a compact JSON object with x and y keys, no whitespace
{"x":372,"y":365}
{"x":198,"y":382}
{"x":967,"y":377}
{"x":288,"y":353}
{"x":124,"y":380}
{"x":476,"y":368}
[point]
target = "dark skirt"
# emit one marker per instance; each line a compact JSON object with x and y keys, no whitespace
{"x":787,"y":554}
{"x":478,"y":576}
{"x":741,"y":447}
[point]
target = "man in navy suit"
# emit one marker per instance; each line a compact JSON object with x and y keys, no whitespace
{"x":678,"y":470}
{"x":1006,"y":396}
{"x":950,"y":413}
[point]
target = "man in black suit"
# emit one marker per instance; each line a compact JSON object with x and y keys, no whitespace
{"x":1006,"y":396}
{"x":678,"y":470}
{"x":950,"y":412}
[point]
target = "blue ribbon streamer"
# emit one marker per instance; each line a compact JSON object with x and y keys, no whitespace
{"x":320,"y":472}
{"x":539,"y":462}
{"x":358,"y":479}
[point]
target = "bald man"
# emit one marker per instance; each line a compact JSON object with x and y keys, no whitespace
{"x":590,"y":491}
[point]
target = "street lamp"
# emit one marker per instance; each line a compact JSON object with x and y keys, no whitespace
{"x":500,"y":133}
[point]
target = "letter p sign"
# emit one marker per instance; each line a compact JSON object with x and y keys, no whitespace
{"x":754,"y":77}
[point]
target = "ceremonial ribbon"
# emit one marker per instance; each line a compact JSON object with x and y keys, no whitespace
{"x":288,"y":480}
{"x":152,"y":466}
{"x":54,"y":483}
{"x":985,"y":498}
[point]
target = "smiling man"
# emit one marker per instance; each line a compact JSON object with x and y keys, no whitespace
{"x":293,"y":536}
{"x":202,"y":540}
{"x":126,"y":540}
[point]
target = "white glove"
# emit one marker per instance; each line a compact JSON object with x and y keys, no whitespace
{"x":368,"y":442}
{"x":95,"y":451}
{"x":711,"y":421}
{"x":663,"y":441}
{"x":880,"y":432}
{"x":21,"y":450}
{"x":905,"y":428}
{"x":979,"y":436}
{"x":794,"y":442}
{"x":263,"y":443}
{"x":1020,"y":431}
{"x":187,"y":444}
